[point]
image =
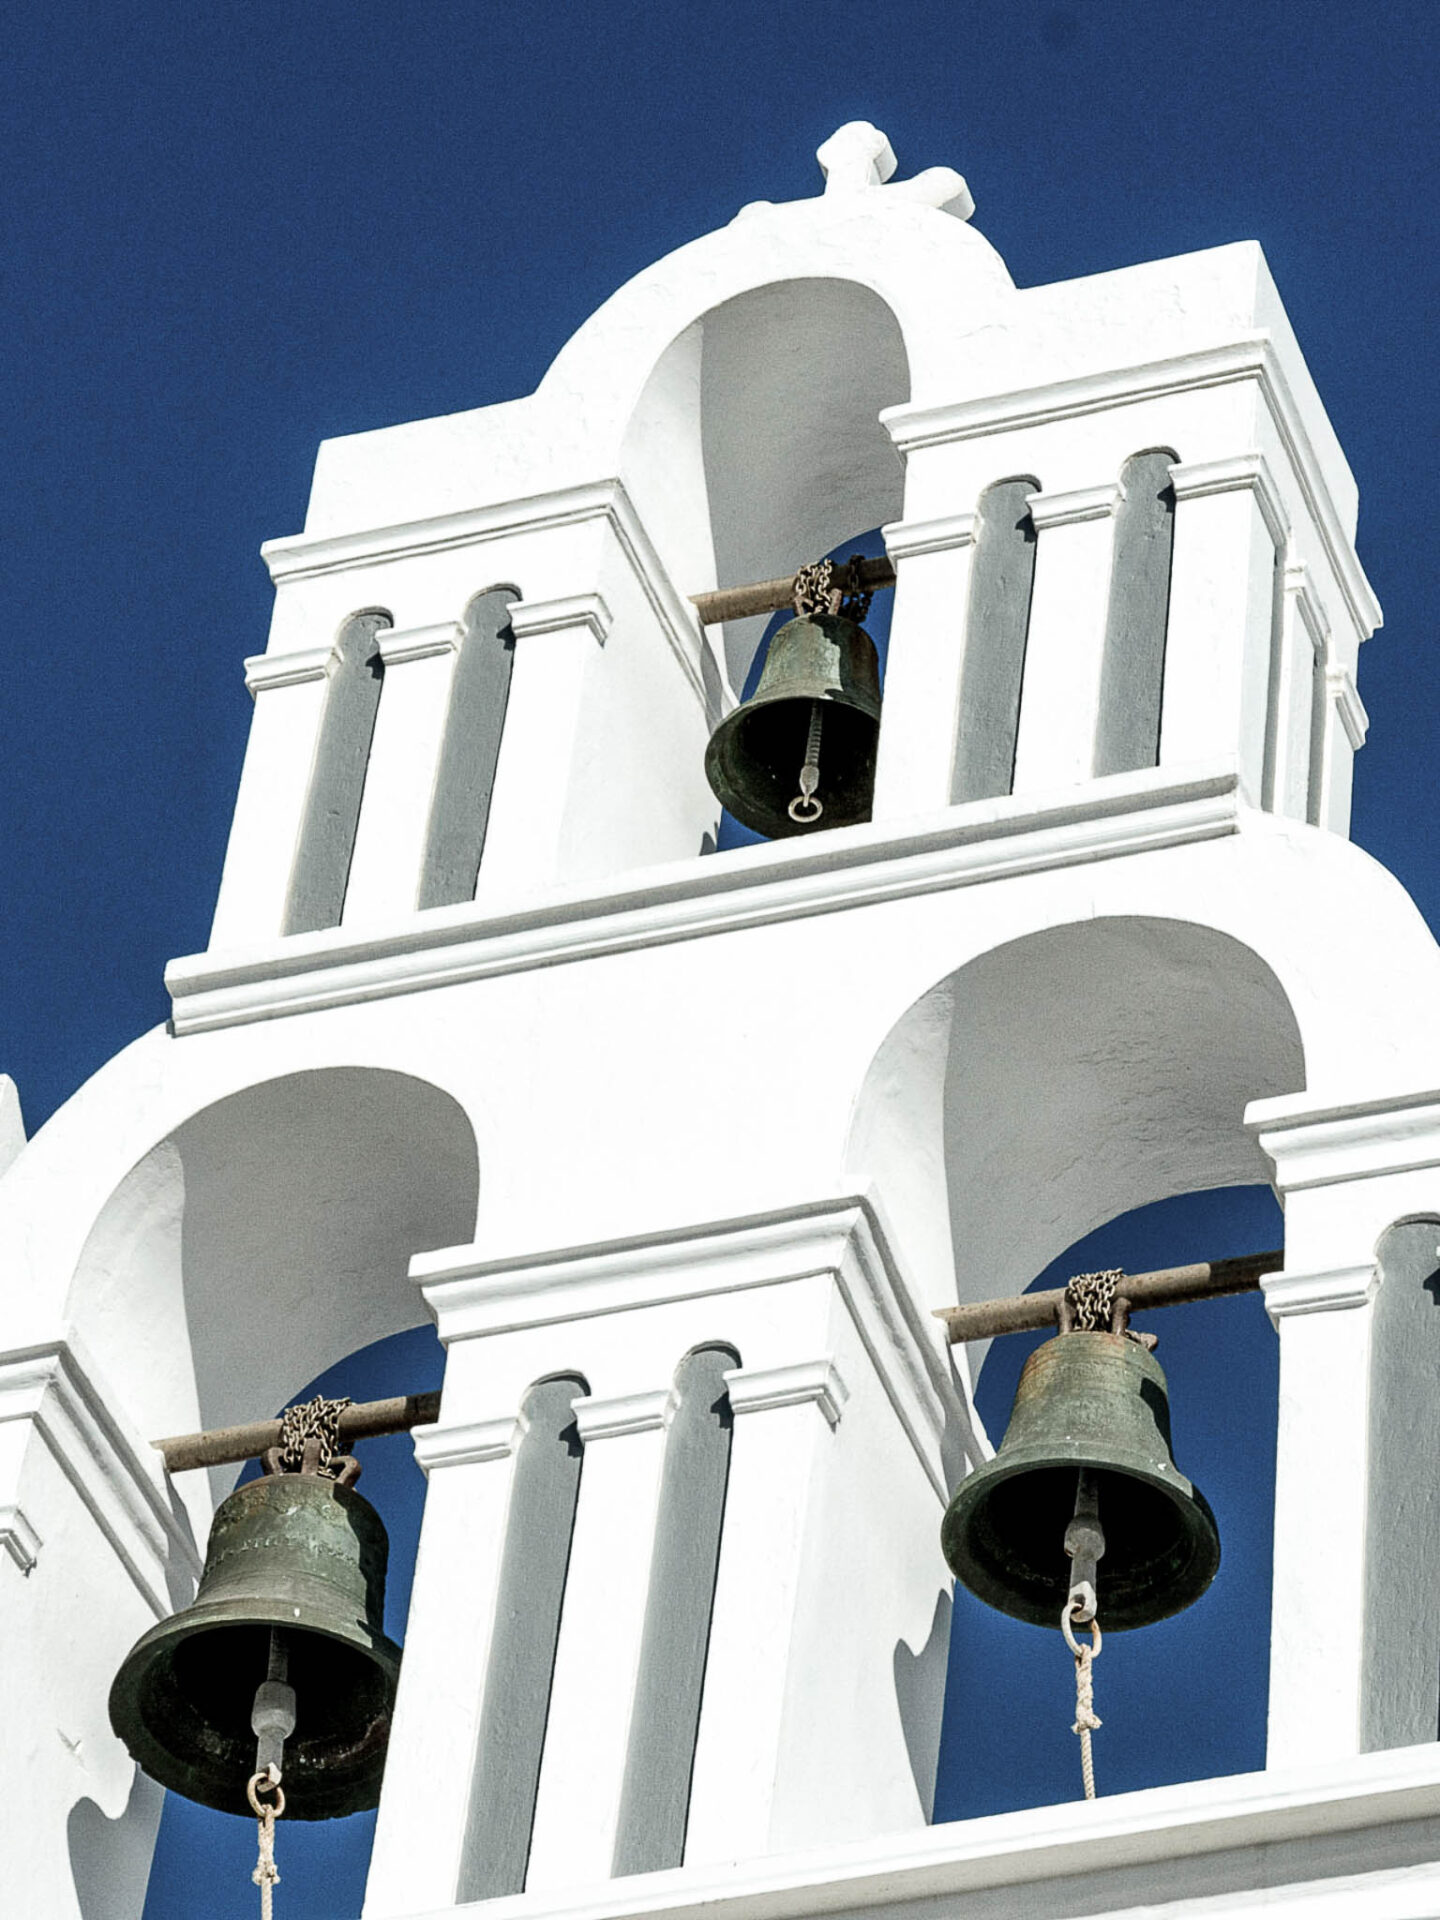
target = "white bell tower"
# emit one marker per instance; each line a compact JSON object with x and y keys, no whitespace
{"x":681,"y":1151}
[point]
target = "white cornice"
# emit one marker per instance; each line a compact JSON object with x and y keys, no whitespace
{"x":607,"y":1418}
{"x":1340,"y":684}
{"x":303,"y":557}
{"x":904,"y":539}
{"x":439,"y":1446}
{"x":1301,"y":587}
{"x":473,"y":1295}
{"x":1279,"y":1839}
{"x":266,"y":671}
{"x":1243,"y":473}
{"x":1326,"y":1290}
{"x":1076,"y":505}
{"x":970,"y":845}
{"x":401,"y":644}
{"x":1363,"y":1140}
{"x":1250,"y":358}
{"x":806,"y":1382}
{"x":119,"y":1481}
{"x":531,"y":618}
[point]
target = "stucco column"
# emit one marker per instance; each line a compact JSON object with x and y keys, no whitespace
{"x":400,"y":778}
{"x":598,"y":1656}
{"x":916,"y":762}
{"x":1065,"y":648}
{"x":784,"y":1417}
{"x":541,"y":753}
{"x":1346,"y":1174}
{"x":1229,"y":527}
{"x":429,"y":1767}
{"x":289,"y":691}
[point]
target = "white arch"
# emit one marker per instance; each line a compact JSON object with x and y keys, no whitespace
{"x":1064,"y":1077}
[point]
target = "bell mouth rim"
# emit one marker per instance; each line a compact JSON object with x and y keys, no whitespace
{"x":159,"y":1762}
{"x":1199,"y":1573}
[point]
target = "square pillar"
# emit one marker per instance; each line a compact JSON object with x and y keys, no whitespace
{"x":289,"y":691}
{"x":920,"y":716}
{"x":1065,"y":650}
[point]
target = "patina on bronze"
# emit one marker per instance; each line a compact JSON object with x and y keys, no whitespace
{"x":755,"y":755}
{"x":1097,"y":1401}
{"x":300,"y":1553}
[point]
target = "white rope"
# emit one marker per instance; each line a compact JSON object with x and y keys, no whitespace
{"x":266,"y":1875}
{"x":1086,"y":1718}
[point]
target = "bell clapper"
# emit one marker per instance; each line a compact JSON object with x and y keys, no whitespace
{"x":272,"y":1718}
{"x":1085,"y":1544}
{"x":805,"y":808}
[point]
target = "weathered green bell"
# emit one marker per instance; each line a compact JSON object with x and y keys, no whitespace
{"x":800,"y":752}
{"x":295,"y":1562}
{"x":1095,"y":1401}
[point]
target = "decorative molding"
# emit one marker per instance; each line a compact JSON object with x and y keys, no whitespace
{"x":1244,"y":472}
{"x":1075,"y":506}
{"x":1275,"y":1838}
{"x":1301,"y":588}
{"x":1340,"y":685}
{"x":18,"y":1538}
{"x":474,"y":1295}
{"x":759,"y":1389}
{"x":398,"y":645}
{"x":266,"y":671}
{"x":303,"y":557}
{"x":906,"y":539}
{"x":120,"y":1481}
{"x":531,"y":618}
{"x":1363,"y":1140}
{"x":599,"y":1418}
{"x":970,"y":845}
{"x":461,"y":1446}
{"x":1326,"y":1290}
{"x":1250,"y":358}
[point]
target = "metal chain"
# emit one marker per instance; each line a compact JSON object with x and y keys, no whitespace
{"x":813,"y":588}
{"x":1092,"y":1299}
{"x":822,"y":587}
{"x":1087,"y":1721}
{"x":317,"y":1419}
{"x":266,"y":1875}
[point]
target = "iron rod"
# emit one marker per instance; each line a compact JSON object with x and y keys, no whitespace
{"x":1166,"y":1287}
{"x":224,"y":1446}
{"x":769,"y":596}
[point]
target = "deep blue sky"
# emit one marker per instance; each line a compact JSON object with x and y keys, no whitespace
{"x":233,"y":230}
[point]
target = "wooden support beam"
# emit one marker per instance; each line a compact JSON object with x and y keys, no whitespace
{"x":1166,"y":1287}
{"x":224,"y":1446}
{"x":769,"y":596}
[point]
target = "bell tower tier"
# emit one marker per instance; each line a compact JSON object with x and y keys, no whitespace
{"x":682,"y":1146}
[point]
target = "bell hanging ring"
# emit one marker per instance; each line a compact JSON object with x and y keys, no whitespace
{"x":1087,"y":1448}
{"x":292,"y":1598}
{"x":800,"y":752}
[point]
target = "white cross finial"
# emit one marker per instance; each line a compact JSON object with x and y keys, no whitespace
{"x":858,"y":158}
{"x":856,"y":155}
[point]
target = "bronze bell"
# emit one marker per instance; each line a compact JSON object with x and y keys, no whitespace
{"x":800,"y":752}
{"x":292,"y":1597}
{"x":1090,"y":1429}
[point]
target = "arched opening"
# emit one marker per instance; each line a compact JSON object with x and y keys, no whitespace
{"x":323,"y":1863}
{"x":1186,"y":1698}
{"x":757,"y":443}
{"x":1074,"y":1099}
{"x":1061,"y":1079}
